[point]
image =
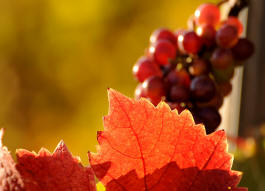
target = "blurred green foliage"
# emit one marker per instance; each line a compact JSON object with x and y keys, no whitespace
{"x":254,"y":171}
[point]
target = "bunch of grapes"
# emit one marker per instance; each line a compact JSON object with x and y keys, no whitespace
{"x":192,"y":68}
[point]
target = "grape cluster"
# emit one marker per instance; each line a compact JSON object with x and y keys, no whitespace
{"x":192,"y":68}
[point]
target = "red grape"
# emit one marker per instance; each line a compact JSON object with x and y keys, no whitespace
{"x":234,"y":21}
{"x":202,"y":88}
{"x":199,"y":67}
{"x":163,"y":34}
{"x":179,"y":93}
{"x":207,"y":14}
{"x":207,"y":34}
{"x":154,"y":89}
{"x":162,"y":51}
{"x":190,"y":42}
{"x":222,"y":58}
{"x":181,"y":78}
{"x":243,"y":49}
{"x":227,"y":36}
{"x":144,"y":68}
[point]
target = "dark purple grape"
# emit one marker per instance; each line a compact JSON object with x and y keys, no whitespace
{"x":222,"y":58}
{"x":209,"y":116}
{"x":216,"y":102}
{"x":202,"y":89}
{"x":199,"y":67}
{"x":181,"y":78}
{"x":227,"y":36}
{"x":179,"y":94}
{"x":243,"y":49}
{"x":225,"y":88}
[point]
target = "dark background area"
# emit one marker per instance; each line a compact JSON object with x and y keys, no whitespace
{"x":253,"y":92}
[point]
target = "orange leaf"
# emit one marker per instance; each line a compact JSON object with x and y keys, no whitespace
{"x":153,"y":148}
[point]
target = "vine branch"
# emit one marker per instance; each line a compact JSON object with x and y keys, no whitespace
{"x":238,"y":6}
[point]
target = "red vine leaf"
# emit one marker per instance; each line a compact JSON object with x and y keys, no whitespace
{"x":10,"y":179}
{"x":153,"y":148}
{"x":58,"y":171}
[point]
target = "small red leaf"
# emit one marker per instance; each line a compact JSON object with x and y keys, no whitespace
{"x":58,"y":171}
{"x":10,"y":179}
{"x":153,"y":148}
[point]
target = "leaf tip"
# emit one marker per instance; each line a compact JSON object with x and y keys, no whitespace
{"x":112,"y":95}
{"x":20,"y":153}
{"x":187,"y":115}
{"x":220,"y":133}
{"x":61,"y":148}
{"x":164,"y":105}
{"x":111,"y":91}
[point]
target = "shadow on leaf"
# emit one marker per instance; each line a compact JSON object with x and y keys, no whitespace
{"x":172,"y":178}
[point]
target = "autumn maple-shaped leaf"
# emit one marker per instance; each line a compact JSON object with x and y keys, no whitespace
{"x":10,"y":179}
{"x":146,"y":148}
{"x":58,"y":171}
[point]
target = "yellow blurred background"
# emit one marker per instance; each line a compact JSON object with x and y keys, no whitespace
{"x":58,"y":57}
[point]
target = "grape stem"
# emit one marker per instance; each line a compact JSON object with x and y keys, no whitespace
{"x":236,"y":6}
